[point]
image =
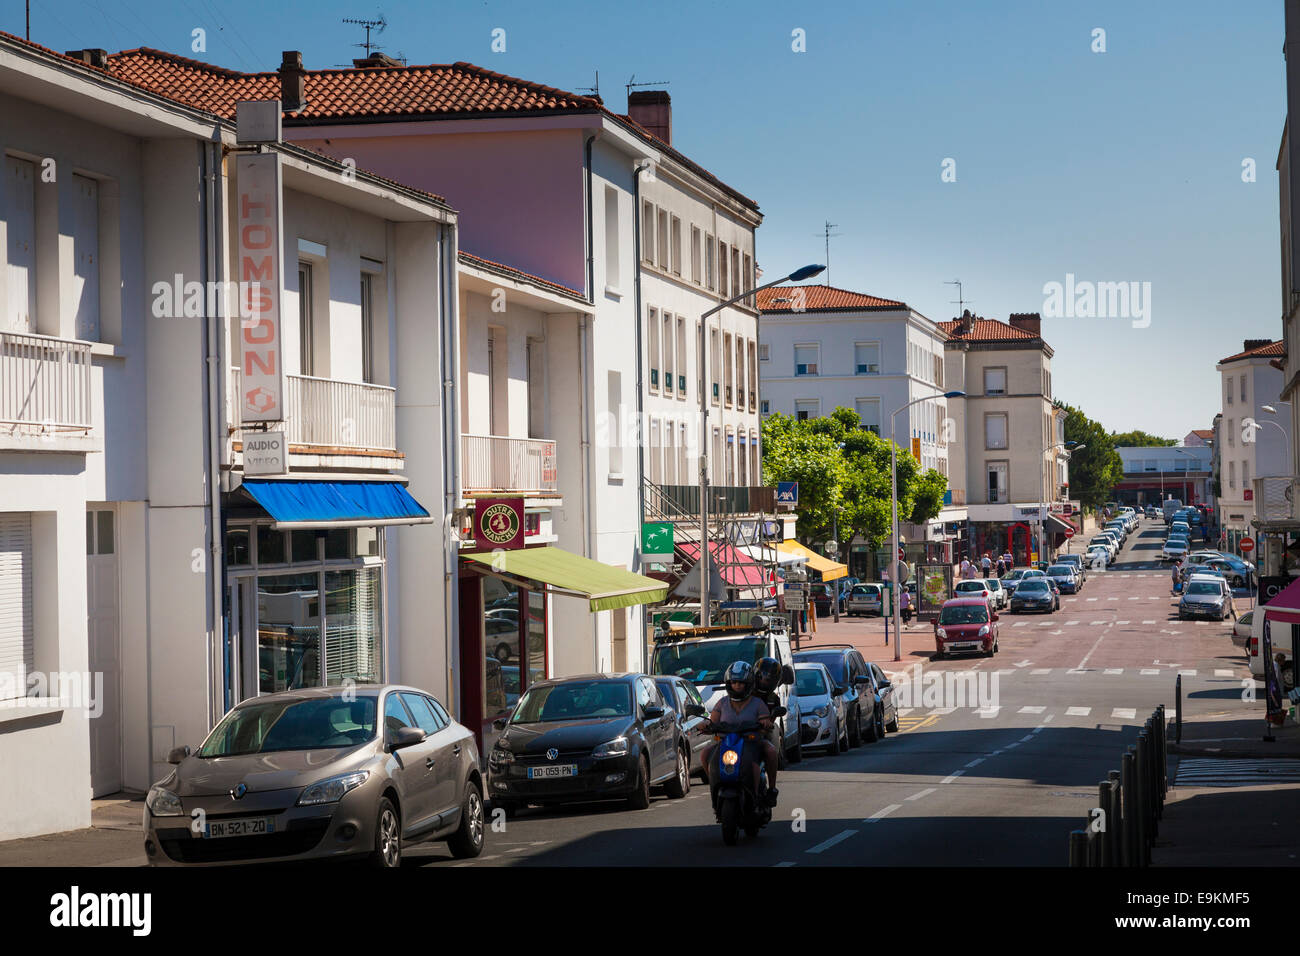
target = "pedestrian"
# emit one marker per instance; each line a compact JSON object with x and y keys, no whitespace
{"x":965,"y":567}
{"x":905,"y":607}
{"x":1178,"y":567}
{"x":1001,"y":566}
{"x":986,"y":564}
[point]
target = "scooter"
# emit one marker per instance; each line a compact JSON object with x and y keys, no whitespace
{"x":736,"y":805}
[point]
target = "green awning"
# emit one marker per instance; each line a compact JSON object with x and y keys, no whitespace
{"x":563,"y":572}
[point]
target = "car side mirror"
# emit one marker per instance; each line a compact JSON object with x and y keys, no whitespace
{"x":651,"y":711}
{"x":695,"y":710}
{"x":787,"y":674}
{"x":499,"y":724}
{"x":177,"y":754}
{"x":885,"y":684}
{"x":837,"y":691}
{"x":995,"y":615}
{"x":861,"y":679}
{"x":779,"y":711}
{"x":405,"y":737}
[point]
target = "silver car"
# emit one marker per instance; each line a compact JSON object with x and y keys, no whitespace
{"x":328,"y":772}
{"x":821,"y":709}
{"x":864,"y":599}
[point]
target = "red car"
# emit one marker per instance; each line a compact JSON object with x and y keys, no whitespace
{"x":966,"y":626}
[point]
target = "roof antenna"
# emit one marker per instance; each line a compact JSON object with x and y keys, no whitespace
{"x":376,"y":25}
{"x":631,"y":84}
{"x":593,"y":90}
{"x":829,"y":236}
{"x":960,"y":302}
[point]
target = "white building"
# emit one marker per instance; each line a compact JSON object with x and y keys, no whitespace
{"x":1253,"y":442}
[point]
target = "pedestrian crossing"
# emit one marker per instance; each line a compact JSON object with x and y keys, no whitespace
{"x":1229,"y":772}
{"x":913,"y":719}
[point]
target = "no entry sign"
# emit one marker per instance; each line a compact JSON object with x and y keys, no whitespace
{"x":1246,"y":544}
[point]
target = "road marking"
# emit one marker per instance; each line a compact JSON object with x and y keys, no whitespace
{"x":1090,"y":652}
{"x":1044,"y":623}
{"x":1041,"y":670}
{"x":1112,"y":599}
{"x":1009,"y":746}
{"x":952,"y":776}
{"x":785,"y":864}
{"x":1135,"y":599}
{"x":879,"y":814}
{"x":1023,"y":663}
{"x":1124,"y":713}
{"x":923,"y":793}
{"x":827,"y":844}
{"x":1043,"y":726}
{"x":989,"y":710}
{"x":1220,"y":672}
{"x":1018,"y":624}
{"x":1026,"y":738}
{"x":1092,"y":599}
{"x":976,"y":762}
{"x":1188,"y":673}
{"x":942,"y":710}
{"x":1150,"y":672}
{"x":1148,"y":622}
{"x":1114,"y":670}
{"x":1123,"y":622}
{"x":1031,"y":709}
{"x":1078,"y":711}
{"x":1072,"y":623}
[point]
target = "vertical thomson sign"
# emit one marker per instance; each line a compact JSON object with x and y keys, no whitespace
{"x":261,"y":282}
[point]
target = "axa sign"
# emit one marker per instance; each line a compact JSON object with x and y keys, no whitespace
{"x":261,"y":280}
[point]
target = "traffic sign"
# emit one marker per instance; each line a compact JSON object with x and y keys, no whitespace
{"x":1246,"y":544}
{"x":832,"y":547}
{"x":1069,"y":533}
{"x":901,"y":555}
{"x":787,"y":493}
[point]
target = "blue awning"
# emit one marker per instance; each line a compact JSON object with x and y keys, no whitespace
{"x":335,"y":504}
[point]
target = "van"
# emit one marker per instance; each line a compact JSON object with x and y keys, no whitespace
{"x":1168,"y":507}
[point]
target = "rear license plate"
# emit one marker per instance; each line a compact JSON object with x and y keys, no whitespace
{"x":559,"y":770}
{"x":244,"y":826}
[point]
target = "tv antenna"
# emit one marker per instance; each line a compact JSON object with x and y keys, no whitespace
{"x":632,"y":84}
{"x":376,"y":25}
{"x":593,"y":90}
{"x":959,"y":302}
{"x":828,"y":236}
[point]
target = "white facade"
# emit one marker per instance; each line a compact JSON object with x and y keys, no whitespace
{"x":1253,"y":443}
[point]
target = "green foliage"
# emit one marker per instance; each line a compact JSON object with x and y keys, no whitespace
{"x":1094,"y":470}
{"x":1138,"y":438}
{"x":842,"y":466}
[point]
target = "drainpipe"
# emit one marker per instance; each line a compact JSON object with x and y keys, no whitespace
{"x":584,"y":371}
{"x":449,"y":311}
{"x":213,"y":263}
{"x":640,"y":384}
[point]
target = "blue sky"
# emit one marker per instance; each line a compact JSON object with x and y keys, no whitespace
{"x":1122,"y":166}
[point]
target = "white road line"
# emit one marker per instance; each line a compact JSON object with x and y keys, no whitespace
{"x":943,"y":710}
{"x":1123,"y":622}
{"x":1018,"y":624}
{"x":1092,"y":599}
{"x":989,"y":711}
{"x":1023,"y":663}
{"x":1090,"y":652}
{"x":1124,"y":713}
{"x":1188,"y":673}
{"x":1009,"y":746}
{"x":1031,"y":709}
{"x":1078,"y":711}
{"x":1220,"y":672}
{"x":1072,"y":623}
{"x":1026,"y":738}
{"x":879,"y":814}
{"x":1114,"y":670}
{"x":1148,"y":622}
{"x":827,"y":844}
{"x":952,"y":776}
{"x":1043,"y":726}
{"x":1135,"y":599}
{"x":1044,"y":623}
{"x":786,"y":863}
{"x":922,"y":793}
{"x":904,"y":711}
{"x":1150,"y":672}
{"x":1112,"y":599}
{"x":1041,"y":670}
{"x":976,"y":762}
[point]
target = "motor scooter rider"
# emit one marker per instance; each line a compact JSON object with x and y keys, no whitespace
{"x":743,"y":706}
{"x":767,"y":680}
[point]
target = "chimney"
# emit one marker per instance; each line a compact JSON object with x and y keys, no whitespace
{"x":376,"y":60}
{"x":1031,"y":322}
{"x":293,"y":82}
{"x":966,"y":322}
{"x":98,"y":58}
{"x":652,"y":109}
{"x":1251,"y":344}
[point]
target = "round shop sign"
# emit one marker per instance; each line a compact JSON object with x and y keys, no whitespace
{"x":499,"y":523}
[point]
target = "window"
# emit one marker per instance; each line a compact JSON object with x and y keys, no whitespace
{"x":367,"y":328}
{"x":748,"y":282}
{"x":736,"y":278}
{"x":615,"y":409}
{"x":806,"y":408}
{"x":1231,"y":434}
{"x":662,"y":260}
{"x":697,"y":268}
{"x":652,"y":334}
{"x":764,"y":352}
{"x":681,"y":454}
{"x":938,"y":370}
{"x":535,"y":359}
{"x":995,"y":430}
{"x":740,"y":372}
{"x":727,"y":370}
{"x":995,"y":381}
{"x":806,"y":358}
{"x":715,"y":360}
{"x":869,"y":413}
{"x":681,"y":358}
{"x":670,"y":453}
{"x":676,"y":246}
{"x":20,"y":213}
{"x":656,"y":456}
{"x":647,"y":232}
{"x":710,"y":270}
{"x":765,"y":407}
{"x":998,"y":490}
{"x":866,"y":358}
{"x":611,"y":238}
{"x":1245,"y":474}
{"x":306,"y":361}
{"x":722,"y":270}
{"x":668,"y":355}
{"x":1243,"y":392}
{"x":1227,"y":391}
{"x":498,"y":381}
{"x":1232,"y":474}
{"x":85,"y":258}
{"x":753,"y":375}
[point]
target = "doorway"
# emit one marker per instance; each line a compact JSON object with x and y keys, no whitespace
{"x":104,"y":635}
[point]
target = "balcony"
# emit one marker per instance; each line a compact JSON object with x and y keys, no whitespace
{"x":44,"y":386}
{"x":672,"y":500}
{"x":1274,"y":497}
{"x":518,"y":465}
{"x":350,"y":416}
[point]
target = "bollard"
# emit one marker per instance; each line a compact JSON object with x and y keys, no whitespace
{"x":1078,"y":848}
{"x":1104,"y":801}
{"x":1142,"y":763}
{"x":1129,"y":836}
{"x":1178,"y":714}
{"x":1115,"y":820}
{"x":1152,"y":781}
{"x":1164,"y":759}
{"x":1094,"y":846}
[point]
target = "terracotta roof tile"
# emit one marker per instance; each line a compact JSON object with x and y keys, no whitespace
{"x":985,"y":330}
{"x":472,"y":260}
{"x":1271,"y":350}
{"x":821,"y":298}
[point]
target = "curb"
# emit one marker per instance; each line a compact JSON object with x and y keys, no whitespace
{"x":1185,"y":751}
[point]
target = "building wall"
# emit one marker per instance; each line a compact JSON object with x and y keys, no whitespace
{"x":1029,"y":428}
{"x":1268,"y":453}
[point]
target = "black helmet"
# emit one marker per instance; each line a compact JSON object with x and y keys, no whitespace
{"x":739,"y":673}
{"x":767,"y":675}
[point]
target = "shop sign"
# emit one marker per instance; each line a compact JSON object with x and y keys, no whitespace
{"x":265,"y":453}
{"x":657,"y":538}
{"x":498,"y":523}
{"x":260,"y":276}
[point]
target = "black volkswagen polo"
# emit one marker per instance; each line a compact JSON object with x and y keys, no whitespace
{"x":595,"y":737}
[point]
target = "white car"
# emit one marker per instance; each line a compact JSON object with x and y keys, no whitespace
{"x":821,"y":709}
{"x":999,"y":592}
{"x":1098,"y":557}
{"x":976,"y":587}
{"x":1173,"y":550}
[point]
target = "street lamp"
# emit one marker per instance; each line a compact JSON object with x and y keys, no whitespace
{"x":1273,"y":411}
{"x":799,"y":275}
{"x":893,"y":513}
{"x":1069,"y":446}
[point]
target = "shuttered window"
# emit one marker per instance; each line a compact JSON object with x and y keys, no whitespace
{"x":15,"y":603}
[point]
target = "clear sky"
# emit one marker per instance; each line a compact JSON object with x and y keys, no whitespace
{"x":1115,"y":166}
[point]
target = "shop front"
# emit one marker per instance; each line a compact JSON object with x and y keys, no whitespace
{"x":306,"y":582}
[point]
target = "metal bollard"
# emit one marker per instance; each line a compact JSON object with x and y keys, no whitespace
{"x":1142,"y":762}
{"x":1178,"y":714}
{"x":1104,"y":801}
{"x":1152,"y":782}
{"x":1078,"y":848}
{"x":1164,"y":759}
{"x":1129,"y":833}
{"x":1115,"y":820}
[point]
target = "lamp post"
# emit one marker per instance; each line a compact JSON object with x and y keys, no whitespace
{"x":893,"y":513}
{"x":1273,"y":411}
{"x":1069,"y":446}
{"x":799,"y":275}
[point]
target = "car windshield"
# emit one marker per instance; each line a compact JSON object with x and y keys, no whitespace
{"x":576,"y":700}
{"x":1028,"y":586}
{"x":964,"y":614}
{"x":865,"y":589}
{"x":972,"y":586}
{"x":271,"y":725}
{"x":834,"y":661}
{"x":704,"y":662}
{"x":1034,"y":573}
{"x":1204,"y":587}
{"x":810,"y":682}
{"x":1062,"y":569}
{"x":1014,"y":575}
{"x":994,"y":584}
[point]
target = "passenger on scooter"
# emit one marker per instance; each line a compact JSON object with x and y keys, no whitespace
{"x":741,"y":706}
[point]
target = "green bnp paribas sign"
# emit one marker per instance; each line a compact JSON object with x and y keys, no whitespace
{"x":657,"y":538}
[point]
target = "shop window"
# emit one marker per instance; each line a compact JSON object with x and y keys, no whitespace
{"x":237,"y":547}
{"x":338,"y":544}
{"x":303,"y":546}
{"x":270,"y":546}
{"x":352,"y":625}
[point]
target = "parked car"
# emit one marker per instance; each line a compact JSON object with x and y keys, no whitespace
{"x":977,"y":587}
{"x":1064,"y":577}
{"x":593,"y":737}
{"x":1001,"y":594}
{"x":821,"y":708}
{"x":686,"y":702}
{"x":965,"y":626}
{"x":1173,"y":550}
{"x":1241,"y":629}
{"x":865,"y":599}
{"x":886,"y":701}
{"x":1080,"y":565}
{"x":1205,"y":596}
{"x":1012,"y":579}
{"x":1098,"y":557}
{"x":323,"y":772}
{"x":1151,"y":511}
{"x":849,"y":670}
{"x":1238,"y":573}
{"x":1035,"y":594}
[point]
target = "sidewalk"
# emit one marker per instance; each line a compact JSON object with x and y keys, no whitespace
{"x":867,"y":634}
{"x":115,"y":838}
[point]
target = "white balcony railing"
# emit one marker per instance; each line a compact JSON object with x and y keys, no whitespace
{"x":330,"y":413}
{"x":494,"y":463}
{"x":44,"y":384}
{"x":1275,"y":497}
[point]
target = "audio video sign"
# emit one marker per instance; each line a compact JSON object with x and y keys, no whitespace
{"x":261,"y":279}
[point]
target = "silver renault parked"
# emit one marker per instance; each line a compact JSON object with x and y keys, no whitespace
{"x":320,"y":773}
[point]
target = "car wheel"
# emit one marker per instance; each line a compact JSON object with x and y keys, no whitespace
{"x":680,"y":785}
{"x":387,"y":853}
{"x":796,"y":754}
{"x":639,"y":799}
{"x":855,"y":729}
{"x":835,"y":749}
{"x":467,"y":841}
{"x":892,"y":726}
{"x":781,"y":759}
{"x":873,"y":731}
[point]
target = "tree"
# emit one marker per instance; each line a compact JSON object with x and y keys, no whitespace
{"x":794,"y":452}
{"x":1095,"y":469}
{"x":1138,"y":438}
